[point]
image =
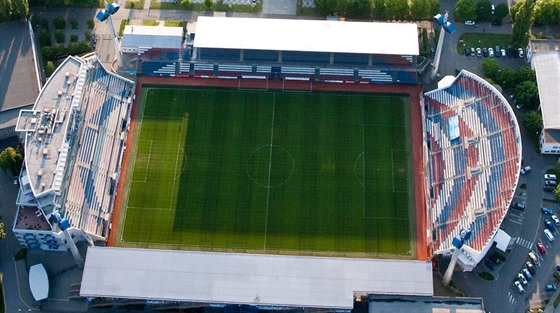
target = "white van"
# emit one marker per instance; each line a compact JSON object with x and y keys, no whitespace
{"x":548,"y":235}
{"x":549,"y":177}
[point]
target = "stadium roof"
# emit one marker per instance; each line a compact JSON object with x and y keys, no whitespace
{"x":135,"y":36}
{"x":233,"y":278}
{"x":306,"y":35}
{"x":19,"y":84}
{"x":547,"y":69}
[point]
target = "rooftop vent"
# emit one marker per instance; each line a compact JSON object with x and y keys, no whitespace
{"x":40,"y":173}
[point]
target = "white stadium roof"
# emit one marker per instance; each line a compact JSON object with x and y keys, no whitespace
{"x":135,"y":36}
{"x":547,"y":70}
{"x":306,"y":35}
{"x":235,"y":278}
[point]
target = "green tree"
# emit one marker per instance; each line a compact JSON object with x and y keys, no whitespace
{"x":491,"y":68}
{"x":557,"y":194}
{"x":420,"y":9}
{"x":527,"y":93}
{"x":359,"y":9}
{"x":522,"y":74}
{"x":532,"y":121}
{"x":49,"y":68}
{"x":547,"y":12}
{"x":20,"y":8}
{"x":465,"y":10}
{"x":501,"y":11}
{"x":379,"y":9}
{"x":484,"y":10}
{"x":11,"y":159}
{"x":396,"y":9}
{"x":514,"y":9}
{"x":523,"y":21}
{"x":326,"y":7}
{"x":59,"y":36}
{"x":59,"y":22}
{"x":2,"y":231}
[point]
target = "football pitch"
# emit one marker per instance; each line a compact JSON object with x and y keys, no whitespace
{"x":305,"y":173}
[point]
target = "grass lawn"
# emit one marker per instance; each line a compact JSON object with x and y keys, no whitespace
{"x":174,"y":23}
{"x":280,"y":172}
{"x":478,"y":40}
{"x":150,"y":23}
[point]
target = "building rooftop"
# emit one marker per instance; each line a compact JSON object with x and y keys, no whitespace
{"x":547,"y":70}
{"x":46,"y":126}
{"x":235,"y":278}
{"x":135,"y":36}
{"x":19,"y":84}
{"x":306,"y":35}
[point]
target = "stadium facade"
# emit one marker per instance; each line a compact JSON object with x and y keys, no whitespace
{"x":74,"y":140}
{"x":320,"y":50}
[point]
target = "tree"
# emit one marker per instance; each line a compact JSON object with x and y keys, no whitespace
{"x":514,"y":9}
{"x":484,"y":10}
{"x":379,"y":9}
{"x":359,"y":9}
{"x":59,"y":22}
{"x":527,"y":93}
{"x":465,"y":10}
{"x":491,"y":68}
{"x":420,"y":9}
{"x":501,"y":11}
{"x":396,"y":9}
{"x":547,"y":12}
{"x":326,"y":7}
{"x":11,"y":159}
{"x":49,"y":68}
{"x":523,"y":21}
{"x":532,"y":121}
{"x":21,"y":8}
{"x":522,"y":74}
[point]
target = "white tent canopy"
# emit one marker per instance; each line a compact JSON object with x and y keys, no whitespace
{"x":39,"y":282}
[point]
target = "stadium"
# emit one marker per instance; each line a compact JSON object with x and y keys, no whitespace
{"x":288,"y":170}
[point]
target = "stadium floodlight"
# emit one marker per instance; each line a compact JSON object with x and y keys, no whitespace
{"x":458,"y":242}
{"x":63,"y":224}
{"x":105,"y":15}
{"x":449,"y":28}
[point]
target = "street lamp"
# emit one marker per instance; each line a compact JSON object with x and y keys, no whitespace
{"x":105,"y":15}
{"x":448,"y":28}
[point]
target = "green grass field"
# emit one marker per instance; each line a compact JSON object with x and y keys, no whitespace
{"x":274,"y":172}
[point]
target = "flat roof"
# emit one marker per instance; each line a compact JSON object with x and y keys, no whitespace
{"x":135,"y":36}
{"x":236,"y":278}
{"x":38,"y":282}
{"x":306,"y":35}
{"x":18,"y":75}
{"x":547,"y":70}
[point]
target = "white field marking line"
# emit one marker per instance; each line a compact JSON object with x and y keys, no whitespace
{"x":147,"y":166}
{"x":269,"y":169}
{"x":163,"y":117}
{"x":355,"y":165}
{"x":364,"y":169}
{"x":176,"y":162}
{"x":393,"y":170}
{"x":147,"y":208}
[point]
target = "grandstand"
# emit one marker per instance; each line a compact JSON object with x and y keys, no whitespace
{"x":74,"y":138}
{"x":473,"y":152}
{"x":292,"y":49}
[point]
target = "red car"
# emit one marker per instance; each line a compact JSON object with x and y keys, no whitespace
{"x":541,"y":248}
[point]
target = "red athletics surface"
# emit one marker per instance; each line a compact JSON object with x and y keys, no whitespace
{"x":413,"y":92}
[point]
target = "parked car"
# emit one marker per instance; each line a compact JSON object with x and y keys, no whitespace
{"x":525,"y":170}
{"x":467,"y":51}
{"x":527,"y":274}
{"x":497,"y":23}
{"x":522,"y":279}
{"x":494,"y":258}
{"x":470,"y":23}
{"x":510,"y":52}
{"x":533,"y":257}
{"x":491,"y":52}
{"x":548,"y":235}
{"x":555,"y":219}
{"x":503,"y":52}
{"x":550,"y":287}
{"x":473,"y":51}
{"x":531,"y":268}
{"x":519,"y":287}
{"x":549,"y":177}
{"x":519,"y":206}
{"x":490,"y":265}
{"x":546,"y":210}
{"x":550,"y":183}
{"x":549,"y":224}
{"x":548,"y":188}
{"x":541,"y":248}
{"x":478,"y":52}
{"x":520,"y":52}
{"x":485,"y":52}
{"x":497,"y":52}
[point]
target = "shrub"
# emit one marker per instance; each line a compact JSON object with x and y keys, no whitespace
{"x":39,"y":22}
{"x":59,"y":36}
{"x":73,"y":38}
{"x":74,"y":23}
{"x":44,"y":37}
{"x":486,"y":276}
{"x":59,"y":22}
{"x":90,"y":23}
{"x":49,"y":68}
{"x":20,"y":254}
{"x":87,"y":34}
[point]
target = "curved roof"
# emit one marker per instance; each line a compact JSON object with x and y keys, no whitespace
{"x":39,"y":282}
{"x":474,"y":158}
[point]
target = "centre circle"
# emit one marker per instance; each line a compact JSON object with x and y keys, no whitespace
{"x":270,"y":166}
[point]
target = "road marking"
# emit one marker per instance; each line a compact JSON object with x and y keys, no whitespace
{"x":524,"y":243}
